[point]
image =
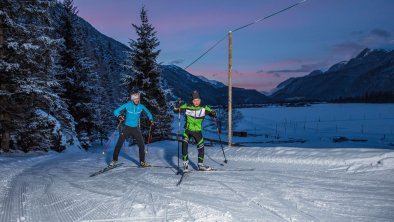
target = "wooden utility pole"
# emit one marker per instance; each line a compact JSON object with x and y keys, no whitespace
{"x":230,"y":85}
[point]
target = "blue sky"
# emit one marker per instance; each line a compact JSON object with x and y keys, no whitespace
{"x":313,"y":35}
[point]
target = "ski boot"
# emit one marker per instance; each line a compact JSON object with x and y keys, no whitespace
{"x":186,"y":166}
{"x":144,"y":165}
{"x":113,"y":163}
{"x":202,"y":167}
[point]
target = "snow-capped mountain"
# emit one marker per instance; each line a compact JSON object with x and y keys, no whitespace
{"x":372,"y":71}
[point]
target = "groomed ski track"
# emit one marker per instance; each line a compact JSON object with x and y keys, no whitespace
{"x":57,"y":187}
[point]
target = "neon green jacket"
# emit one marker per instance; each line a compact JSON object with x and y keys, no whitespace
{"x":195,"y":115}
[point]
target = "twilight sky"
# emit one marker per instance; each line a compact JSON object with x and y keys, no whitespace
{"x":313,"y":35}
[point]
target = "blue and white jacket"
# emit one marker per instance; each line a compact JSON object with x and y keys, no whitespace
{"x":133,"y":113}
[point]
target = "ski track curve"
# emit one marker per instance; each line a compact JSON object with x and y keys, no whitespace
{"x":14,"y":189}
{"x":58,"y":188}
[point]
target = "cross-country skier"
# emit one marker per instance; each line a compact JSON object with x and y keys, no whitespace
{"x":133,"y":111}
{"x":195,"y":114}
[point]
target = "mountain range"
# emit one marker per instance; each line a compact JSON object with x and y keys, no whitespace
{"x":370,"y":71}
{"x":180,"y":83}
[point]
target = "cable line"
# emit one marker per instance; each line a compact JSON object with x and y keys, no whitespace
{"x":242,"y":27}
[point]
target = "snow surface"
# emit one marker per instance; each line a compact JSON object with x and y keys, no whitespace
{"x":313,"y":181}
{"x":317,"y":125}
{"x":288,"y":184}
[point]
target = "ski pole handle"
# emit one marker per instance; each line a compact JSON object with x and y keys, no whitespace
{"x":121,"y":118}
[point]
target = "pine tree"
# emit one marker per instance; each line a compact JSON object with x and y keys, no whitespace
{"x":113,"y":67}
{"x":103,"y":104}
{"x":142,"y":61}
{"x":104,"y":119}
{"x":75,"y":75}
{"x":27,"y":100}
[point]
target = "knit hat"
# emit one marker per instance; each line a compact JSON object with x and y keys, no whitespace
{"x":135,"y":96}
{"x":195,"y":95}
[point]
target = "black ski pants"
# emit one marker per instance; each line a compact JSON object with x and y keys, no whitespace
{"x":197,"y":136}
{"x":137,"y":135}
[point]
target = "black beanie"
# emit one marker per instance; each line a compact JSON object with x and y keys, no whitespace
{"x":195,"y":95}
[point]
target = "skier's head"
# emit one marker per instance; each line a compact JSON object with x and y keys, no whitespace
{"x":135,"y":97}
{"x":196,"y":99}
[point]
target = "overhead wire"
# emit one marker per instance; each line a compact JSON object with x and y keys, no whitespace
{"x":242,"y":27}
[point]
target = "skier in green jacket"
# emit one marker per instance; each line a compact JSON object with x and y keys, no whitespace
{"x":195,"y":114}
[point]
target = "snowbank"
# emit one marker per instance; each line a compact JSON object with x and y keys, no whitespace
{"x":351,"y":159}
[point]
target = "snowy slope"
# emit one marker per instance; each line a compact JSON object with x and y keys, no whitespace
{"x":370,"y":71}
{"x":288,"y":184}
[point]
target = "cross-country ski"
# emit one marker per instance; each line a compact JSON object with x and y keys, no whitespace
{"x":183,"y":176}
{"x":106,"y":169}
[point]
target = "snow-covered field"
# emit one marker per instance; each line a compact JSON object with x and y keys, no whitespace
{"x":299,"y":183}
{"x":364,"y":125}
{"x":287,"y":184}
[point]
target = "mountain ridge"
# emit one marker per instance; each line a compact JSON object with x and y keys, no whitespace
{"x":369,"y":72}
{"x":97,"y":46}
{"x":356,"y":77}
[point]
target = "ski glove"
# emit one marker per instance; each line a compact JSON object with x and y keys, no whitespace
{"x":121,"y":118}
{"x":213,"y":114}
{"x":178,"y":103}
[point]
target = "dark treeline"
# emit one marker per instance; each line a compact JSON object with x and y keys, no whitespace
{"x":371,"y":97}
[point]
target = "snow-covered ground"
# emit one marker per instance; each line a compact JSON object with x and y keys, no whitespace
{"x":299,"y":182}
{"x":287,"y":184}
{"x":364,"y":125}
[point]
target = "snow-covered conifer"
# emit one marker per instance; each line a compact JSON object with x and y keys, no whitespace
{"x":146,"y":78}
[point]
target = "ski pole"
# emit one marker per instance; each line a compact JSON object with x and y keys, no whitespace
{"x":149,"y":138}
{"x":111,"y":138}
{"x":178,"y":134}
{"x":220,"y":139}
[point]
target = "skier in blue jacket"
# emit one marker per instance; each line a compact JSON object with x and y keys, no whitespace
{"x":133,"y":111}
